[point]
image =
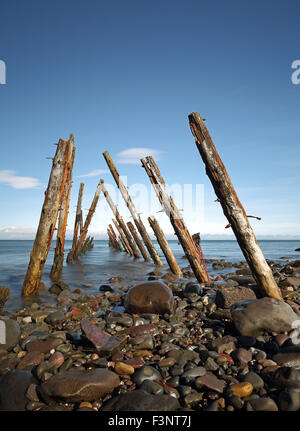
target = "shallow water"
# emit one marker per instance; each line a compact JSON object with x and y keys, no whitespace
{"x":101,"y":262}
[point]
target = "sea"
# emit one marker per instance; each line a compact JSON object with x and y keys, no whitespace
{"x":102,"y":262}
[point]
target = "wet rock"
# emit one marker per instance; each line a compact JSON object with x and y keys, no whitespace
{"x":223,"y":343}
{"x":143,"y":342}
{"x":266,"y":314}
{"x":141,"y":329}
{"x":150,"y":297}
{"x":123,"y":369}
{"x":105,"y":343}
{"x":13,"y":387}
{"x":255,"y":380}
{"x":79,"y":385}
{"x":56,"y":360}
{"x":139,"y":400}
{"x":55,"y":318}
{"x":243,"y":389}
{"x":192,"y":288}
{"x":288,"y":359}
{"x":32,"y":358}
{"x":228,"y":296}
{"x":43,"y":346}
{"x":58,"y":287}
{"x":106,"y":288}
{"x":262,"y":404}
{"x":210,"y":382}
{"x":243,"y":279}
{"x":8,"y":364}
{"x":12,"y":333}
{"x":289,"y":400}
{"x":152,"y":387}
{"x":242,"y":355}
{"x":290,"y":281}
{"x":146,"y":373}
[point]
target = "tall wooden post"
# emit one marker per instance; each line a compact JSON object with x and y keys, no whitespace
{"x":138,"y":241}
{"x":121,"y":222}
{"x":164,"y":245}
{"x":114,"y":236}
{"x":87,"y":222}
{"x":233,"y":209}
{"x":77,"y":223}
{"x":62,"y":220}
{"x":176,"y":219}
{"x":137,"y":220}
{"x":123,"y":238}
{"x":51,"y":205}
{"x":111,"y":241}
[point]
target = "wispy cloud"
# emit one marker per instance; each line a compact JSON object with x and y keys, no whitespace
{"x":94,"y":173}
{"x":133,"y":155}
{"x":11,"y":179}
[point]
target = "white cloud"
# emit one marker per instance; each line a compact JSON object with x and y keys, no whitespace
{"x":133,"y":155}
{"x":94,"y":173}
{"x":9,"y":178}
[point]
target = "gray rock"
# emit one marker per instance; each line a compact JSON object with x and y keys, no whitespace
{"x":289,"y":400}
{"x":146,"y":372}
{"x":262,"y":404}
{"x":12,"y":333}
{"x":286,"y":377}
{"x":253,"y":317}
{"x":55,"y":318}
{"x":13,"y":388}
{"x":152,"y":387}
{"x":228,"y":296}
{"x":253,"y":378}
{"x":139,"y":400}
{"x":288,"y":359}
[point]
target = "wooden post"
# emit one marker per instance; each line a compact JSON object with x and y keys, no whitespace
{"x":111,"y":241}
{"x":164,"y":245}
{"x":62,"y":220}
{"x":49,"y":213}
{"x":121,"y":222}
{"x":176,"y":219}
{"x":77,"y":223}
{"x":123,"y":238}
{"x":138,"y":241}
{"x":233,"y":209}
{"x":117,"y":242}
{"x":137,"y":220}
{"x":87,"y":222}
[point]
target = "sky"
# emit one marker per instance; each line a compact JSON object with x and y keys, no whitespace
{"x":123,"y":77}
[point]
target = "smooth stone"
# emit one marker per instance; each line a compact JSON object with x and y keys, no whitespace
{"x":255,"y":380}
{"x":139,"y":400}
{"x":55,"y":318}
{"x":286,"y":377}
{"x":243,"y":279}
{"x":78,"y":385}
{"x":254,"y":317}
{"x":223,"y":343}
{"x":242,"y":355}
{"x":289,"y":400}
{"x":32,"y":358}
{"x":152,"y":387}
{"x":58,"y":287}
{"x":192,"y":288}
{"x":192,"y":398}
{"x":243,"y":389}
{"x":150,"y":297}
{"x":12,"y":333}
{"x":146,"y":342}
{"x":210,"y":382}
{"x":56,"y":360}
{"x":195,"y":372}
{"x":290,"y":281}
{"x":123,"y":369}
{"x":146,"y":372}
{"x":288,"y":359}
{"x":262,"y":404}
{"x":8,"y":364}
{"x":43,"y":346}
{"x":13,"y":388}
{"x":167,"y":362}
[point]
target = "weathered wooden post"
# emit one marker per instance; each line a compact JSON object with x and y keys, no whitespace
{"x":137,"y":220}
{"x":77,"y":223}
{"x":164,"y":245}
{"x":49,"y":213}
{"x":233,"y":209}
{"x":119,"y":219}
{"x":111,"y":241}
{"x":176,"y":219}
{"x":114,"y":236}
{"x":62,"y":220}
{"x":138,"y":241}
{"x":123,"y":238}
{"x":87,"y":222}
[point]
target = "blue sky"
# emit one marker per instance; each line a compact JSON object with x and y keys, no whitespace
{"x":123,"y":76}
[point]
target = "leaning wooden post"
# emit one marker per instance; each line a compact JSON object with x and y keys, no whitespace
{"x":137,"y":220}
{"x":123,"y":238}
{"x":87,"y":222}
{"x":111,"y":241}
{"x":62,"y":220}
{"x":121,"y":222}
{"x":138,"y":241}
{"x":77,"y":223}
{"x":176,"y":219}
{"x":164,"y":245}
{"x":118,"y":244}
{"x":233,"y":209}
{"x":49,"y":213}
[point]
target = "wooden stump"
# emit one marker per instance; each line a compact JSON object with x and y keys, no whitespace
{"x":78,"y":219}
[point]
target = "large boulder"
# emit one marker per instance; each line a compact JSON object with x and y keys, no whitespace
{"x":227,"y":296}
{"x":12,"y":333}
{"x":13,"y":387}
{"x":253,"y":317}
{"x":150,"y":297}
{"x":140,"y":400}
{"x":79,"y":385}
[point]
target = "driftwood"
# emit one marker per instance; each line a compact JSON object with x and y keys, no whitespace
{"x":137,"y":220}
{"x":233,"y":209}
{"x":176,"y":219}
{"x":138,"y":241}
{"x":78,"y":219}
{"x":62,"y":220}
{"x":120,"y":220}
{"x":48,"y":218}
{"x":87,"y":222}
{"x":164,"y":245}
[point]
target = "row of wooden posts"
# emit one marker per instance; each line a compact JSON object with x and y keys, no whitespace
{"x":135,"y":240}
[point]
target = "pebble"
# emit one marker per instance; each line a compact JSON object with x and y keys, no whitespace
{"x":121,"y":368}
{"x":243,"y":389}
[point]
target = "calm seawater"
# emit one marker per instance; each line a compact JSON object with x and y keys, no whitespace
{"x":103,"y":262}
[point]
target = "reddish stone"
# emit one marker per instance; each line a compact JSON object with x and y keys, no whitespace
{"x":210,"y":382}
{"x":43,"y":346}
{"x":228,"y":358}
{"x":141,"y":329}
{"x":135,"y":362}
{"x":32,"y":358}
